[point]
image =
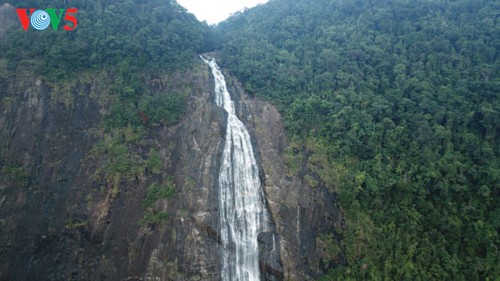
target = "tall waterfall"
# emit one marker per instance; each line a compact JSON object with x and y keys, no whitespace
{"x":242,"y":211}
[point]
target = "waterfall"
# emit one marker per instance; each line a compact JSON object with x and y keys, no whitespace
{"x":242,"y":211}
{"x":298,"y":223}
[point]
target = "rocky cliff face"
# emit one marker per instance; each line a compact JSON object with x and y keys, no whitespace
{"x":301,"y":213}
{"x":58,"y":221}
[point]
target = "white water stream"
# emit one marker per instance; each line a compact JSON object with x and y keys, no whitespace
{"x":242,"y":211}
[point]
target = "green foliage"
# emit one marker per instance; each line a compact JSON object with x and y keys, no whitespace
{"x":154,"y":217}
{"x":75,"y":224}
{"x":153,"y":34}
{"x":120,"y":161}
{"x":330,"y":247}
{"x":146,"y":110}
{"x":121,"y":114}
{"x":118,"y":52}
{"x":167,"y":108}
{"x":157,"y":192}
{"x":394,"y":106}
{"x":293,"y":158}
{"x":64,"y":93}
{"x":154,"y":162}
{"x":15,"y":174}
{"x":7,"y":102}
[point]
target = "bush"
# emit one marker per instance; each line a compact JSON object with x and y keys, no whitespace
{"x":15,"y":174}
{"x":157,"y":192}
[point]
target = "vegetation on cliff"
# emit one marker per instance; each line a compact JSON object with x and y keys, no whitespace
{"x":125,"y":52}
{"x":390,"y":104}
{"x":394,"y":106}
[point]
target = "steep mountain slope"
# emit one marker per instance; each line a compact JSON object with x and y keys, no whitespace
{"x":386,"y":164}
{"x":110,"y":142}
{"x":86,"y":142}
{"x":393,"y":106}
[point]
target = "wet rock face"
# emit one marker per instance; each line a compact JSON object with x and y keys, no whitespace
{"x":300,"y":213}
{"x":64,"y":224}
{"x":195,"y":162}
{"x":269,"y":257}
{"x":45,"y":142}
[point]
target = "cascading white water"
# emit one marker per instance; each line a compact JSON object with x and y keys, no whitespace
{"x":241,"y":200}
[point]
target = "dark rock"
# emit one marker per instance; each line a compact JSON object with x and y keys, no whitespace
{"x":299,"y":212}
{"x":66,"y":224}
{"x":269,"y":257}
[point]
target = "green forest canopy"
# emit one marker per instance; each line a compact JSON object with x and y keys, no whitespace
{"x":395,"y":106}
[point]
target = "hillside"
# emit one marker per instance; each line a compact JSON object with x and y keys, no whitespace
{"x":87,"y":170}
{"x":110,"y":145}
{"x":374,"y":127}
{"x":394,"y":107}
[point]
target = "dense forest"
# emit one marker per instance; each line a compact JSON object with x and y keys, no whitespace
{"x":161,"y":37}
{"x":393,"y":105}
